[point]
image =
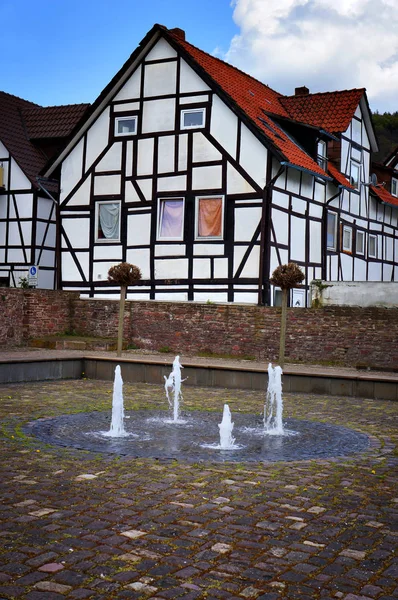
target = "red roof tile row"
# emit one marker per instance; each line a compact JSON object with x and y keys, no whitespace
{"x":384,"y":195}
{"x":339,"y":177}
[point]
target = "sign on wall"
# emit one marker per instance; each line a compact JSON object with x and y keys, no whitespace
{"x":33,"y":276}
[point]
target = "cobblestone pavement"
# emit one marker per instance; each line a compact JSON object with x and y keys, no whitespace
{"x":75,"y":524}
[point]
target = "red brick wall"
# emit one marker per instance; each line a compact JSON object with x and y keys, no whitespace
{"x":345,"y":335}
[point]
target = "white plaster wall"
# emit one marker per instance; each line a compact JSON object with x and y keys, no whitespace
{"x":171,"y":184}
{"x":15,"y":255}
{"x":45,"y":280}
{"x":25,"y":206}
{"x":298,"y":205}
{"x":203,"y":150}
{"x":293,"y":181}
{"x":346,"y":266}
{"x":77,"y":231}
{"x":170,"y":250}
{"x":245,"y":298}
{"x":166,"y":148}
{"x":47,"y":258}
{"x":160,"y":79}
{"x":220,"y":268}
{"x":253,"y":156}
{"x":319,"y":191}
{"x":359,"y":293}
{"x":315,"y":210}
{"x":199,"y":99}
{"x":130,"y":193}
{"x":140,"y":258}
{"x":204,"y":178}
{"x":103,"y":252}
{"x":44,"y":208}
{"x":19,"y":181}
{"x":280,"y":221}
{"x":138,"y":229}
{"x":246,"y":221}
{"x":182,"y":152}
{"x":69,"y":269}
{"x":280,"y":199}
{"x":145,"y":156}
{"x":105,"y":185}
{"x":315,"y":241}
{"x":174,"y":268}
{"x":145,"y":186}
{"x":224,"y":125}
{"x":236,"y":184}
{"x":251,"y":267}
{"x":131,"y":89}
{"x":374,"y":271}
{"x":126,"y":106}
{"x":82,"y":195}
{"x":297,"y":231}
{"x":307,"y":185}
{"x":190,"y":81}
{"x":161,"y":49}
{"x":201,"y":268}
{"x":158,"y":115}
{"x":129,"y":158}
{"x":97,"y":138}
{"x":387,"y":272}
{"x":208,"y":249}
{"x":71,"y":170}
{"x":112,"y":160}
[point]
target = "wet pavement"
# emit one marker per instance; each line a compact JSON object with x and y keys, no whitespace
{"x":82,"y":524}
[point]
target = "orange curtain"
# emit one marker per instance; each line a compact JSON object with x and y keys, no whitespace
{"x":209,"y":218}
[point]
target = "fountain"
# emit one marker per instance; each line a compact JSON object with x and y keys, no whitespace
{"x":117,"y":424}
{"x":172,"y":385}
{"x":226,"y":426}
{"x":273,"y":407}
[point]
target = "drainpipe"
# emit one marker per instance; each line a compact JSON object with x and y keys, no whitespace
{"x":57,"y":264}
{"x":265,"y":234}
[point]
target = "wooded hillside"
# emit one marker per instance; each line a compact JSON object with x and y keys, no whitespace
{"x":386,"y":127}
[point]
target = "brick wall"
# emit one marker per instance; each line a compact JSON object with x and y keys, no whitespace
{"x":345,"y":335}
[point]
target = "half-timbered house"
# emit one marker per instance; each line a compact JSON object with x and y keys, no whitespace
{"x":207,"y":180}
{"x":29,"y":136}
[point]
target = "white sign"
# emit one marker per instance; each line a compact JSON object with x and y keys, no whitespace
{"x":33,"y":275}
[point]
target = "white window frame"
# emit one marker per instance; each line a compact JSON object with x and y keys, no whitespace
{"x":193,"y":110}
{"x":346,"y":248}
{"x":334,"y":247}
{"x":208,"y":237}
{"x":125,"y":118}
{"x":362,"y":235}
{"x":321,"y":149}
{"x":159,"y":238}
{"x":372,"y":236}
{"x":105,"y":240}
{"x":356,"y":165}
{"x":394,"y":192}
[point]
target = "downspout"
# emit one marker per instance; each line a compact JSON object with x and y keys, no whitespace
{"x":57,"y":264}
{"x":265,"y":234}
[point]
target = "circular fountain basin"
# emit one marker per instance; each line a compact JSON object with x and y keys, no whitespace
{"x":196,"y":437}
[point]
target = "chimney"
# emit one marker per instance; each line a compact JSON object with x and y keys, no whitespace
{"x":179,"y":33}
{"x":301,"y":91}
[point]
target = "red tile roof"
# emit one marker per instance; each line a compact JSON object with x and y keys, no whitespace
{"x":15,"y":136}
{"x":339,"y":177}
{"x":331,"y":111}
{"x":257,"y":101}
{"x":383,"y":195}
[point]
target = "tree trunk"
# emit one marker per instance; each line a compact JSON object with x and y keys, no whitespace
{"x":121,"y":320}
{"x":283,"y":329}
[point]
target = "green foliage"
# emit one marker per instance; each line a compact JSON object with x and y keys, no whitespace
{"x":24,"y":283}
{"x":386,"y":128}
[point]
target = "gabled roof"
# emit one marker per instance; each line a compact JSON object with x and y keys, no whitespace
{"x":17,"y":117}
{"x":381,"y":193}
{"x":331,"y":111}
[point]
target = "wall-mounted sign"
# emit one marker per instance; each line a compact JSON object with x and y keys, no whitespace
{"x":33,"y":275}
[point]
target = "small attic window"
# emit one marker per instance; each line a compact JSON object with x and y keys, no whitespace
{"x":193,"y":118}
{"x":125,"y":126}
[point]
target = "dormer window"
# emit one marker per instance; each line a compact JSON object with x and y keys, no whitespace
{"x":322,"y":155}
{"x":193,"y":118}
{"x":125,"y":126}
{"x":394,"y":187}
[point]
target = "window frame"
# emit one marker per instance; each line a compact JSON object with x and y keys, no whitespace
{"x":321,"y":158}
{"x":185,"y":111}
{"x":362,"y":234}
{"x":335,"y":215}
{"x":119,"y":118}
{"x":346,"y":229}
{"x":394,"y":180}
{"x":199,"y":238}
{"x":372,"y":236}
{"x":160,"y":201}
{"x":357,"y":165}
{"x":106,"y":240}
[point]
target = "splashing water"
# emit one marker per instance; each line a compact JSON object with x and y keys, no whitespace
{"x":172,"y":385}
{"x":273,"y":407}
{"x":117,"y":423}
{"x":226,"y":426}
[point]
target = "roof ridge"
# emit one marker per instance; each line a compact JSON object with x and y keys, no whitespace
{"x":34,"y":105}
{"x":324,"y":93}
{"x":178,"y":40}
{"x":29,"y":108}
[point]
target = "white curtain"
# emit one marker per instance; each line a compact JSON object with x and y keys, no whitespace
{"x":109,"y":215}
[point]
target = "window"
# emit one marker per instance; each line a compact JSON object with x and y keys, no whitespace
{"x":347,"y":239}
{"x":360,"y":242}
{"x":321,"y":154}
{"x":125,"y":126}
{"x":107,"y":221}
{"x":209,"y":218}
{"x":193,"y":118}
{"x":331,"y":231}
{"x":356,"y":152}
{"x":394,"y":187}
{"x":170,"y":219}
{"x":372,"y":246}
{"x":354,"y":175}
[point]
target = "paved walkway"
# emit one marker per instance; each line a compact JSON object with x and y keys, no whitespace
{"x":76,"y":524}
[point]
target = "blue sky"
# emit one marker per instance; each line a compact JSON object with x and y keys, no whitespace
{"x":66,"y":51}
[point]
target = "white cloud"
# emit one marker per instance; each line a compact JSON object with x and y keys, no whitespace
{"x":325,"y":46}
